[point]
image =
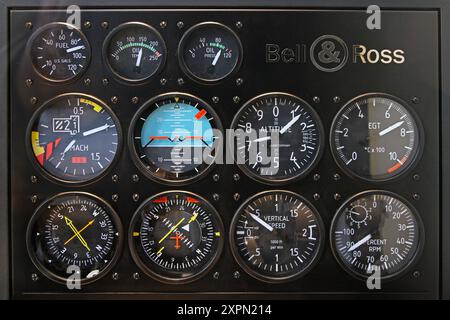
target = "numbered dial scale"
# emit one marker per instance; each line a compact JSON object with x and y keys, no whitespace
{"x":74,"y":235}
{"x":74,"y":137}
{"x":276,"y":236}
{"x":173,"y":138}
{"x":279,"y":138}
{"x":376,"y":229}
{"x":135,"y":51}
{"x":376,"y":137}
{"x":176,"y":236}
{"x":210,"y":52}
{"x":59,"y":52}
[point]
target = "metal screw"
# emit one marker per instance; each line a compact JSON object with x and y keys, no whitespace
{"x":115,"y":276}
{"x":33,"y":100}
{"x":135,"y":100}
{"x":135,"y":178}
{"x":215,"y":177}
{"x":337,"y":196}
{"x":34,"y":198}
{"x":416,"y":196}
{"x":236,"y":99}
{"x":236,"y":196}
{"x":33,"y":179}
{"x":416,"y":274}
{"x":239,"y":25}
{"x":239,"y":81}
{"x":336,"y":99}
{"x":215,"y":99}
{"x":316,"y":99}
{"x":105,"y":25}
{"x":105,"y":81}
{"x":28,"y":82}
{"x":114,"y":99}
{"x":216,"y":197}
{"x":28,"y":25}
{"x":87,"y":24}
{"x":415,"y":100}
{"x":115,"y":178}
{"x":236,"y":275}
{"x":163,"y":24}
{"x":34,"y":277}
{"x":180,"y":24}
{"x":336,"y":177}
{"x":236,"y":177}
{"x":216,"y":275}
{"x":136,"y":276}
{"x":316,"y":177}
{"x":416,"y":177}
{"x":115,"y":197}
{"x":163,"y":81}
{"x":87,"y":82}
{"x":180,"y":81}
{"x":316,"y":196}
{"x":136,"y":197}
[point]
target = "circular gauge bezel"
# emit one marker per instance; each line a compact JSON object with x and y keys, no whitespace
{"x":314,"y":163}
{"x":135,"y":155}
{"x":65,"y":25}
{"x":169,"y":280}
{"x":124,"y":26}
{"x":114,"y":218}
{"x":420,"y":241}
{"x":56,"y":179}
{"x":184,"y":42}
{"x":417,"y":153}
{"x":277,"y":280}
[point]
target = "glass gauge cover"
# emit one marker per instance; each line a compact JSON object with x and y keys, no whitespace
{"x":173,"y":138}
{"x":277,"y":236}
{"x":278,"y":138}
{"x":74,"y":232}
{"x":59,"y":52}
{"x":176,"y":236}
{"x":210,"y":52}
{"x":135,"y":51}
{"x":376,"y":137}
{"x":74,"y":138}
{"x":376,"y":229}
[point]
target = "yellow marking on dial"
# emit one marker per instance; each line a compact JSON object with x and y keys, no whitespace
{"x":95,"y":106}
{"x":37,"y":149}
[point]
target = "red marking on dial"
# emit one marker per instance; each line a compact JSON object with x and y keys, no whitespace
{"x":192,"y":200}
{"x":161,"y":200}
{"x":79,"y":160}
{"x":200,"y":114}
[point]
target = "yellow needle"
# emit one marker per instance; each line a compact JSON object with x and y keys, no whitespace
{"x":76,"y":233}
{"x":171,"y":230}
{"x":80,"y":231}
{"x":160,"y":250}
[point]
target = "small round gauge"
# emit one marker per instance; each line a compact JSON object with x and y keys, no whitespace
{"x":135,"y":51}
{"x":276,"y":236}
{"x":278,"y":138}
{"x":173,"y":138}
{"x":376,"y":230}
{"x":74,"y":137}
{"x":59,"y":52}
{"x":176,"y":237}
{"x":375,"y":137}
{"x":74,"y":233}
{"x":210,"y":52}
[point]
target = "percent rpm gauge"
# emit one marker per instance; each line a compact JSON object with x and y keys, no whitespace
{"x":176,"y":236}
{"x":59,"y":51}
{"x":376,"y":230}
{"x":74,"y":137}
{"x":135,"y":51}
{"x":375,"y":137}
{"x":276,"y":236}
{"x":278,"y":138}
{"x":74,"y":233}
{"x":173,"y":138}
{"x":210,"y":52}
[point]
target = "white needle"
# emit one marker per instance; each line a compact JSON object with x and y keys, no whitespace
{"x":139,"y":58}
{"x":92,"y":131}
{"x":360,"y":242}
{"x":258,"y":219}
{"x":262,"y":139}
{"x":389,"y":129}
{"x":289,"y":124}
{"x":216,"y":58}
{"x":74,"y":49}
{"x":69,"y":146}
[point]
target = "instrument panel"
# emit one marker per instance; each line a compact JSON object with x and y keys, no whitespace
{"x":271,"y":152}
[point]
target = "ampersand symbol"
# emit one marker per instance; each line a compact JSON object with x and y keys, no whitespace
{"x":328,"y":55}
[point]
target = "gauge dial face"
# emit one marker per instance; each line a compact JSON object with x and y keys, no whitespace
{"x":210,"y":52}
{"x":279,"y":138}
{"x":375,"y":137}
{"x":76,"y":230}
{"x":59,"y":52}
{"x":176,"y":236}
{"x":173,"y":138}
{"x":276,"y":236}
{"x":74,"y":137}
{"x":135,"y":51}
{"x":376,"y":229}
